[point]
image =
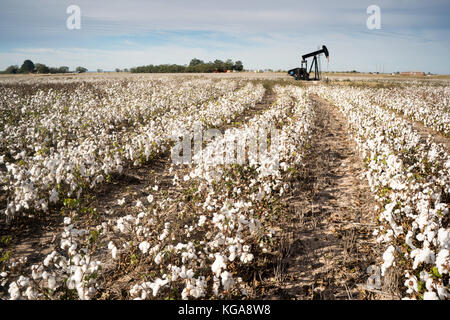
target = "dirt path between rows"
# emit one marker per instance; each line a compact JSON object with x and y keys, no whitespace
{"x":329,"y":243}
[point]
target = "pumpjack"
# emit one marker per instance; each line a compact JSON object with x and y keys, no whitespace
{"x":302,"y":73}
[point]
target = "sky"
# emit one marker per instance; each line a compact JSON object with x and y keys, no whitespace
{"x":263,"y":34}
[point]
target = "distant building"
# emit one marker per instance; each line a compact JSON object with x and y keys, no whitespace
{"x":413,"y":73}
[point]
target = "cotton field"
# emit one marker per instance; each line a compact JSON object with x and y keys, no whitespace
{"x":92,"y":159}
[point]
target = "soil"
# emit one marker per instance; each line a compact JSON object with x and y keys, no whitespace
{"x":328,"y":243}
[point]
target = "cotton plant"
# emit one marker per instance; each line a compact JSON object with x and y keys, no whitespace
{"x":422,"y":103}
{"x":226,"y":226}
{"x":114,"y":155}
{"x":66,"y":143}
{"x":231,"y":224}
{"x":70,"y":270}
{"x":410,"y":176}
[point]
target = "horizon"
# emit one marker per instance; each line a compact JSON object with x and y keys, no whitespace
{"x":413,"y":35}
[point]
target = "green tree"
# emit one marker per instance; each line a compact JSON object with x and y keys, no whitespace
{"x":81,"y":69}
{"x":196,"y":65}
{"x":238,"y":66}
{"x":228,"y":65}
{"x":63,"y":69}
{"x":195,"y":62}
{"x":219,"y":65}
{"x":12,"y":69}
{"x":42,"y":68}
{"x":27,"y":66}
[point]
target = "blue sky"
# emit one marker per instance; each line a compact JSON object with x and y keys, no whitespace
{"x":414,"y":35}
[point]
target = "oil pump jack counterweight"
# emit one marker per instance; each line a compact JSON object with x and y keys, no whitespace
{"x":302,"y":73}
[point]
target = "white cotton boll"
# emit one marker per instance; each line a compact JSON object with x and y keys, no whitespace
{"x":44,"y":206}
{"x":70,"y":284}
{"x":51,"y":283}
{"x":201,"y":221}
{"x":23,"y":281}
{"x":157,"y":285}
{"x":185,"y":293}
{"x":72,"y":250}
{"x":429,"y":284}
{"x":150,"y":198}
{"x":246,"y":257}
{"x":76,"y":260}
{"x":182,"y":272}
{"x":420,"y":237}
{"x":197,"y":292}
{"x":113,"y":248}
{"x":411,"y":284}
{"x":424,"y":276}
{"x":227,"y":280}
{"x":444,"y":238}
{"x":442,"y":292}
{"x":67,"y":221}
{"x":409,"y":240}
{"x":163,"y":235}
{"x":114,"y":253}
{"x":232,"y":250}
{"x":158,"y":258}
{"x":388,"y":257}
{"x":190,"y":274}
{"x":81,"y":292}
{"x":14,"y":291}
{"x":443,"y":261}
{"x":218,"y":265}
{"x":216,"y":286}
{"x":31,"y":293}
{"x":155,"y":188}
{"x":49,"y":258}
{"x":54,"y":196}
{"x":430,"y":295}
{"x":144,"y":246}
{"x":424,"y":255}
{"x":121,"y":202}
{"x":78,"y":275}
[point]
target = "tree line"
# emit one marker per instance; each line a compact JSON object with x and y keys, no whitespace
{"x":195,"y":66}
{"x":29,"y":67}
